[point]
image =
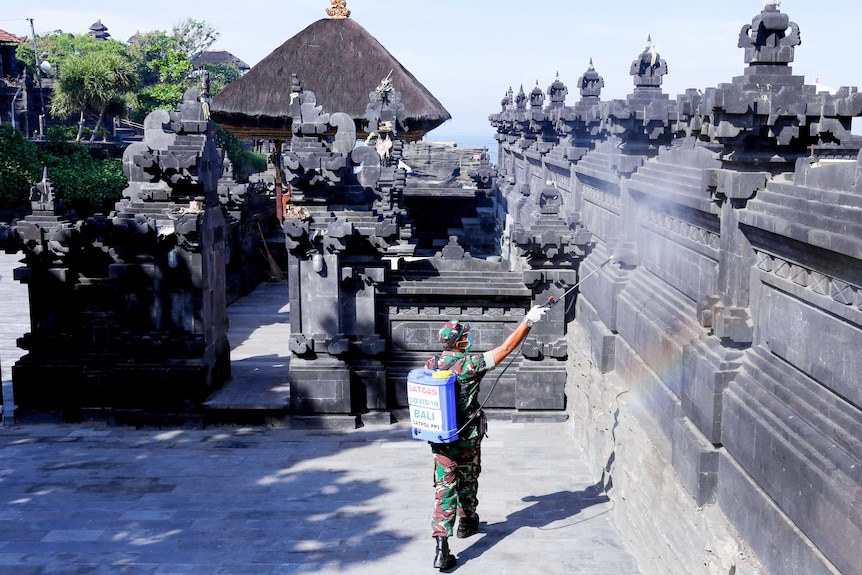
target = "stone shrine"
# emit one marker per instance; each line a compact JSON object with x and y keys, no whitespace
{"x":128,"y":311}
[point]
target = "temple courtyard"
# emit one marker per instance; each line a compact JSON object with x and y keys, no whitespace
{"x":311,"y":495}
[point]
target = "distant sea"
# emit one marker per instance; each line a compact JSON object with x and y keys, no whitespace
{"x":468,"y":140}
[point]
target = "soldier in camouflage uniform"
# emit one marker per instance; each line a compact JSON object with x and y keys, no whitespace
{"x":457,"y":465}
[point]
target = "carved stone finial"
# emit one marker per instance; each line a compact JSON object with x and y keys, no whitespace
{"x":339,"y":10}
{"x":204,"y":97}
{"x":557,"y":91}
{"x":591,"y":83}
{"x":508,"y":101}
{"x":43,"y":196}
{"x":537,"y":97}
{"x":771,"y":37}
{"x":649,"y":68}
{"x":521,"y":99}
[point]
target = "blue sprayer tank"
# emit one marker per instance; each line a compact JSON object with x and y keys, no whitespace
{"x":433,"y":409}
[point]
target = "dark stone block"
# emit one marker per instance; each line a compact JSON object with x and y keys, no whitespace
{"x":707,"y":370}
{"x":789,"y":478}
{"x":696,"y":462}
{"x":541,"y":386}
{"x":320,"y":387}
{"x":369,"y":388}
{"x":779,"y":545}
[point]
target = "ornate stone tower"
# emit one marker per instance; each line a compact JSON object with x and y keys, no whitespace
{"x":128,"y":311}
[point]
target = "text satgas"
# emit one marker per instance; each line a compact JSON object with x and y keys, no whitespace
{"x":422,"y":389}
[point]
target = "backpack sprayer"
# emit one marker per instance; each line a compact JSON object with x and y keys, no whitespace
{"x":431,"y":394}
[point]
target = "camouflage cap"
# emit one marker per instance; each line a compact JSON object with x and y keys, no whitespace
{"x":451,"y":332}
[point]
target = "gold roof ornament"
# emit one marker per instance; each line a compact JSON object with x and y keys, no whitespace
{"x":339,"y":10}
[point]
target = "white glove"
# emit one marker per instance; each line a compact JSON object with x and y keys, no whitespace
{"x":535,"y":314}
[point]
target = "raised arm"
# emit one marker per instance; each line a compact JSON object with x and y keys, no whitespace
{"x":515,"y":338}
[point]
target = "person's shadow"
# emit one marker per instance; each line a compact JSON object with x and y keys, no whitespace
{"x":546,"y":510}
{"x":549,"y":509}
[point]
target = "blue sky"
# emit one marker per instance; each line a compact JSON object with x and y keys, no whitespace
{"x":469,"y":52}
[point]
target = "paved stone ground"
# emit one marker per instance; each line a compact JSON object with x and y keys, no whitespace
{"x":14,"y":322}
{"x":258,"y":334}
{"x":93,"y":499}
{"x":85,"y":499}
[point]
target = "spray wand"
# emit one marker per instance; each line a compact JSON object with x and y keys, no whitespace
{"x":552,"y":300}
{"x":550,"y":303}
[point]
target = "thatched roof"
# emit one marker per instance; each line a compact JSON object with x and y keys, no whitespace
{"x":341,"y":63}
{"x":218,"y":57}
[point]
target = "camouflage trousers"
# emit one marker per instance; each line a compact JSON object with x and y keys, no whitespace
{"x":456,"y":482}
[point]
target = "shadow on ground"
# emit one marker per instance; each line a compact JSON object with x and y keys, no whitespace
{"x":545,"y":512}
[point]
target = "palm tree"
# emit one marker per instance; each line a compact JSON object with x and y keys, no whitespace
{"x":91,"y":83}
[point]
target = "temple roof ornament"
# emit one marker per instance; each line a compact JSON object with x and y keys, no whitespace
{"x":649,"y":68}
{"x":508,"y":101}
{"x":339,"y":10}
{"x":591,"y":83}
{"x":43,"y":196}
{"x":385,"y":86}
{"x":557,"y":91}
{"x":771,"y":37}
{"x":537,"y":97}
{"x":521,"y":99}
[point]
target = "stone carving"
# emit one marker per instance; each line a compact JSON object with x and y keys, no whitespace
{"x":644,"y":119}
{"x":557,"y":92}
{"x":137,"y":284}
{"x":590,"y":83}
{"x":339,"y":10}
{"x":508,"y":102}
{"x":346,"y":215}
{"x":537,"y":97}
{"x":796,"y":115}
{"x":649,"y":68}
{"x":205,"y":97}
{"x":766,"y":39}
{"x":521,"y":99}
{"x":43,"y":196}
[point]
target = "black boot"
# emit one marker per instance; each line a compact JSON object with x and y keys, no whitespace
{"x":443,"y":560}
{"x":467,"y":526}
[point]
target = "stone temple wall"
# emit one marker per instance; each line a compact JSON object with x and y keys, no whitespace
{"x":713,"y":372}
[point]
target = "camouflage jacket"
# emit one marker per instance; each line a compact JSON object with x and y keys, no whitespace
{"x":469,"y":369}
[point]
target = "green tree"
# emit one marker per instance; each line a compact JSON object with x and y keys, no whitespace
{"x":164,"y":62}
{"x":20,"y":167}
{"x":92,"y":82}
{"x":245,"y":162}
{"x":194,"y":37}
{"x":85,"y":182}
{"x":59,"y":45}
{"x":164,"y":69}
